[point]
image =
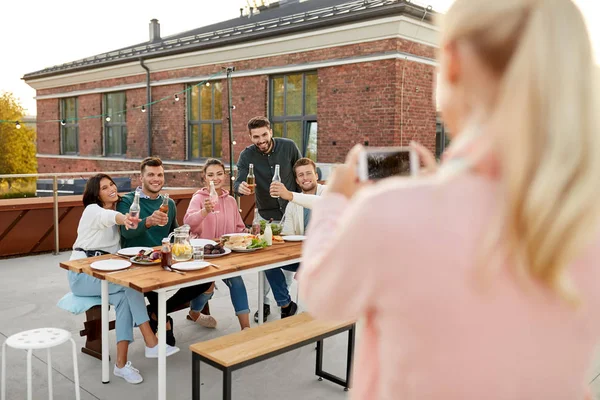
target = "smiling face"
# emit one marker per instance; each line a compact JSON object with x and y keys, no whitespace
{"x":108,"y":193}
{"x":306,"y":178}
{"x":262,"y":138}
{"x":216,"y":174}
{"x":153,"y":179}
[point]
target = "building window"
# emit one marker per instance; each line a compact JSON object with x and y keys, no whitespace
{"x":442,"y":140}
{"x":205,"y":120}
{"x":293,"y":110}
{"x":69,"y":126}
{"x":115,"y":129}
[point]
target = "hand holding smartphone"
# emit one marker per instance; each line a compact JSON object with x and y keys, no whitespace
{"x":375,"y":163}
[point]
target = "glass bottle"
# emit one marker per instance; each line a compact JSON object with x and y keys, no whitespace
{"x":134,"y":210}
{"x":166,"y":259}
{"x":213,"y":196}
{"x":256,"y":223}
{"x":250,"y":180}
{"x":276,"y":177}
{"x":164,"y":207}
{"x":268,"y":236}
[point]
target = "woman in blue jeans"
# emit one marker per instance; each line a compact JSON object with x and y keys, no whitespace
{"x":210,"y":221}
{"x":97,"y":234}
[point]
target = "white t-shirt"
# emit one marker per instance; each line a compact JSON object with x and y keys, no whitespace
{"x":97,"y":230}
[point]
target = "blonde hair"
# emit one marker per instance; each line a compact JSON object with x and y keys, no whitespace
{"x":543,"y":128}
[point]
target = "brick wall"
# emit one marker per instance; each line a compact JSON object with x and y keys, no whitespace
{"x":359,"y":102}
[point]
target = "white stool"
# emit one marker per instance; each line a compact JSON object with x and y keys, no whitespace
{"x":35,"y":339}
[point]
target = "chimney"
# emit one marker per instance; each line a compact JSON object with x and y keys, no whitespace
{"x":154,"y":31}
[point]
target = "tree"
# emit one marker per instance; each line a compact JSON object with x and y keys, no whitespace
{"x":17,"y":154}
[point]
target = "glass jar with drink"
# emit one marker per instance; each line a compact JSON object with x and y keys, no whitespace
{"x":166,"y":259}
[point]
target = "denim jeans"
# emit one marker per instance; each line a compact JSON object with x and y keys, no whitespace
{"x":289,"y":278}
{"x":237,"y":290}
{"x":279,"y":285}
{"x":130,"y":306}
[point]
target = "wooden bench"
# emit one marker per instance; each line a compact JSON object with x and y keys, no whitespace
{"x":238,"y":350}
{"x":92,"y":329}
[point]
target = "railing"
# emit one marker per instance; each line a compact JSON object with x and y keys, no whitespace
{"x":192,"y":178}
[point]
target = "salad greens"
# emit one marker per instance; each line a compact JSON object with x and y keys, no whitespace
{"x":257,"y":244}
{"x":276,"y":228}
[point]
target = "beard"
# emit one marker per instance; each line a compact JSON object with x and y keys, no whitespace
{"x":308,"y":187}
{"x":149,"y":188}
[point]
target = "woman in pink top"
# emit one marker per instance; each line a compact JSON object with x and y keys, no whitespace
{"x":482,"y":280}
{"x":210,"y":221}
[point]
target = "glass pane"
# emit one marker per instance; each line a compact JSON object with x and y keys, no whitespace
{"x":115,"y":107}
{"x":113,"y":144}
{"x":206,"y":99}
{"x":294,"y":132}
{"x":278,"y":91}
{"x":123,"y":131}
{"x":69,"y":140}
{"x":311,"y":147}
{"x":194,"y":103}
{"x":194,"y":142}
{"x":70,"y":110}
{"x":206,"y":143}
{"x":218,"y":100}
{"x":218,"y":141}
{"x":278,"y":129}
{"x":310,"y":100}
{"x":293,"y":95}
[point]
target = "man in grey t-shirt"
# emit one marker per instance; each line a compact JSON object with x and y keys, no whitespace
{"x":266,"y":152}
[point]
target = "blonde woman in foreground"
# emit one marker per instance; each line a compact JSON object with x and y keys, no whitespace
{"x":481,"y":281}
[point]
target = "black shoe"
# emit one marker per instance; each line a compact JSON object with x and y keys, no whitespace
{"x":154,"y":327}
{"x":170,"y":335}
{"x":266,"y":313}
{"x":290,"y":310}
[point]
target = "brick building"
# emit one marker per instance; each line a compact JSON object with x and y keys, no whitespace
{"x":328,"y":74}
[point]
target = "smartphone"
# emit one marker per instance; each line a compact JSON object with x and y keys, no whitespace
{"x":376,"y":163}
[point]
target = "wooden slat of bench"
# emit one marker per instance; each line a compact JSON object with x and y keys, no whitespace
{"x":246,"y":345}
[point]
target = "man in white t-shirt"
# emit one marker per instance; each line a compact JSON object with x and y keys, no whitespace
{"x":296,"y":219}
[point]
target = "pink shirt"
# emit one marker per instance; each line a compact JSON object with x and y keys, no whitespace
{"x":402,"y":254}
{"x":214,"y":225}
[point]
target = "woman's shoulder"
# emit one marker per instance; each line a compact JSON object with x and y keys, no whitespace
{"x":428,"y":193}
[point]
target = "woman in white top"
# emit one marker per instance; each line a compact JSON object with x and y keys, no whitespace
{"x":98,"y":234}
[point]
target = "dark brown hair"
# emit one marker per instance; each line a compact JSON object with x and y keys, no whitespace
{"x":91,"y":193}
{"x":258,"y":122}
{"x":150,"y":162}
{"x":304,"y":161}
{"x":213,"y":161}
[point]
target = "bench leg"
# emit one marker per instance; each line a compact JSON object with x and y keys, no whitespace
{"x":350,"y":357}
{"x":226,"y":384}
{"x":330,"y":377}
{"x":196,"y":381}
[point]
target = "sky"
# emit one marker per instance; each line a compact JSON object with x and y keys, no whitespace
{"x":39,"y":34}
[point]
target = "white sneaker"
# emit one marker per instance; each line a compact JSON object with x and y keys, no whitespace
{"x":130,"y":374}
{"x":152,"y":352}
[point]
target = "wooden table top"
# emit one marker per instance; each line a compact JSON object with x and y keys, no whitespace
{"x":148,"y":278}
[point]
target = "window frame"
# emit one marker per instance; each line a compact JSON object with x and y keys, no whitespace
{"x":68,"y":124}
{"x":199,"y":122}
{"x":304,"y":118}
{"x":106,"y":125}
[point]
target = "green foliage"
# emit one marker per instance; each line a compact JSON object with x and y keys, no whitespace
{"x":18,"y":147}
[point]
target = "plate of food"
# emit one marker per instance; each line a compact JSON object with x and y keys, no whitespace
{"x":146,"y":257}
{"x":216,"y":250}
{"x":110,"y":265}
{"x":243,"y":243}
{"x":132,"y":251}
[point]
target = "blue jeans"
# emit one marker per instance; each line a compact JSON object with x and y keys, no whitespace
{"x":278,"y":284}
{"x":237,"y":290}
{"x":130,"y":306}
